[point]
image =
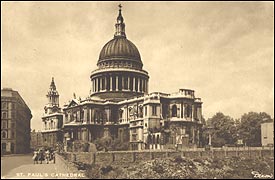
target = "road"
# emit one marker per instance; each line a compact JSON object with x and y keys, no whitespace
{"x":22,"y":167}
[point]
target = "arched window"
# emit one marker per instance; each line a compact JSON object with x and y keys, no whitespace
{"x":157,"y":139}
{"x":51,"y":124}
{"x":174,"y":111}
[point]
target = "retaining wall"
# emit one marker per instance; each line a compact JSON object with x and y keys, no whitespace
{"x":132,"y":156}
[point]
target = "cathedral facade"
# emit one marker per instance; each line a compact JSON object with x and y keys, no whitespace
{"x":120,"y":105}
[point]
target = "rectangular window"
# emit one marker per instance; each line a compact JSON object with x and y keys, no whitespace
{"x":145,"y":110}
{"x":12,"y":134}
{"x":4,"y":124}
{"x":154,"y":110}
{"x":81,"y":115}
{"x":4,"y":115}
{"x":134,"y":137}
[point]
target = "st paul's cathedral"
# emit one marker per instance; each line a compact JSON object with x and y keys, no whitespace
{"x":120,"y":105}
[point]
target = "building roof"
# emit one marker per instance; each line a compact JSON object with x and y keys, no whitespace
{"x":10,"y":93}
{"x":267,"y":120}
{"x":119,"y":48}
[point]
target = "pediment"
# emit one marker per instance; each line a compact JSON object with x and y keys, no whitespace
{"x":73,"y":103}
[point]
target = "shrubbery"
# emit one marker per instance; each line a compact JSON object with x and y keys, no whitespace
{"x":108,"y":144}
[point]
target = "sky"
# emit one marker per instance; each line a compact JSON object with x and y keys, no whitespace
{"x":222,"y":50}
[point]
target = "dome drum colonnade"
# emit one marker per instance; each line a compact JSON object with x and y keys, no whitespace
{"x":119,"y":68}
{"x":119,"y":81}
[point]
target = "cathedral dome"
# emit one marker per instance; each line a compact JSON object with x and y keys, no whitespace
{"x":119,"y":48}
{"x":119,"y":75}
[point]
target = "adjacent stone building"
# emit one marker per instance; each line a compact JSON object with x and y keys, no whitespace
{"x":119,"y":105}
{"x":15,"y":123}
{"x":52,"y":119}
{"x":267,"y":132}
{"x":36,"y":140}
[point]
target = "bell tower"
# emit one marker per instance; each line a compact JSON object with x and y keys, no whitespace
{"x":53,"y":99}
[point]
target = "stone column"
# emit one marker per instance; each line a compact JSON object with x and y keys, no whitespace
{"x":122,"y":82}
{"x":146,"y":86}
{"x":134,"y":84}
{"x":142,"y":85}
{"x":90,"y":115}
{"x":116,"y":82}
{"x":93,"y":85}
{"x":85,"y":115}
{"x":138,"y":84}
{"x":181,"y":110}
{"x":193,"y":135}
{"x":192,"y":112}
{"x":105,"y":83}
{"x":210,"y":138}
{"x":101,"y":83}
{"x":128,"y":82}
{"x":97,"y":84}
{"x":111,"y":83}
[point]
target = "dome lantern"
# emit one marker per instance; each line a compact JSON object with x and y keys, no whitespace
{"x":120,"y":26}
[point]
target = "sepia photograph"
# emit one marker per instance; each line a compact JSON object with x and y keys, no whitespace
{"x":137,"y":90}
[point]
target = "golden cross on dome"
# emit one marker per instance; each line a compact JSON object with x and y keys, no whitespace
{"x":120,"y":6}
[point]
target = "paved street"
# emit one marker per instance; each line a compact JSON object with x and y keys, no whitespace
{"x":22,"y":167}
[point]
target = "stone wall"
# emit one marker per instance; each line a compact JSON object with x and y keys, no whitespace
{"x":132,"y":156}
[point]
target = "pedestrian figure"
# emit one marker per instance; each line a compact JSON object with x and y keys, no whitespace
{"x":47,"y":154}
{"x":35,"y":157}
{"x":40,"y":156}
{"x":53,"y":156}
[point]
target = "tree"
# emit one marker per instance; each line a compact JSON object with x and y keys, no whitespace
{"x":249,"y":128}
{"x":203,"y":121}
{"x":224,"y":129}
{"x":110,"y":144}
